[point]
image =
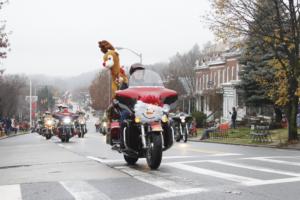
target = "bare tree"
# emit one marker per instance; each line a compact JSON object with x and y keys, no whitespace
{"x":12,"y":95}
{"x":99,"y":91}
{"x":3,"y":34}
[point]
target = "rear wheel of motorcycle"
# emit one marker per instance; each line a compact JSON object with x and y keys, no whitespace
{"x":130,"y":160}
{"x":154,"y":151}
{"x":48,"y":137}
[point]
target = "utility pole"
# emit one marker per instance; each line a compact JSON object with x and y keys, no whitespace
{"x":30,"y":103}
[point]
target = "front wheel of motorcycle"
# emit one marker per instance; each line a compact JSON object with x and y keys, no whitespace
{"x":185,"y":135}
{"x":130,"y":160}
{"x":154,"y":151}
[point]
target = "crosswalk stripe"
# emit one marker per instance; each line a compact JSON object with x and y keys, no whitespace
{"x":81,"y":190}
{"x":254,"y":168}
{"x":155,"y":180}
{"x":226,"y":176}
{"x":10,"y":192}
{"x":264,"y":159}
{"x":273,"y":181}
{"x":165,"y":158}
{"x":165,"y":195}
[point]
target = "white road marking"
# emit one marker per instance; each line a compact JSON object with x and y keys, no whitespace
{"x":274,"y":181}
{"x":254,"y":168}
{"x":155,"y":180}
{"x":106,"y":161}
{"x":269,"y":159}
{"x":165,"y":195}
{"x":10,"y":192}
{"x":226,"y":176}
{"x":81,"y":190}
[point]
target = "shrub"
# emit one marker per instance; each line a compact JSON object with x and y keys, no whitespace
{"x":200,"y":119}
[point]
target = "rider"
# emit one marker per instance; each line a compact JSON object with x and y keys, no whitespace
{"x":124,"y":114}
{"x":136,"y":73}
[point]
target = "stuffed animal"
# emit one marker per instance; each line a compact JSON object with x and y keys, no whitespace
{"x":111,"y":61}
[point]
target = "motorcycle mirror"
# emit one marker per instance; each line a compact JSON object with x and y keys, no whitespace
{"x":166,"y":108}
{"x":115,"y":101}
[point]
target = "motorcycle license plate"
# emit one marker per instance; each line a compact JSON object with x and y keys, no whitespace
{"x":156,"y":127}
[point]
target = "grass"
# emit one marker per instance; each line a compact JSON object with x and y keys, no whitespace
{"x":242,"y":136}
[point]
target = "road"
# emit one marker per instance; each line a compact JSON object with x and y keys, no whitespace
{"x":33,"y":168}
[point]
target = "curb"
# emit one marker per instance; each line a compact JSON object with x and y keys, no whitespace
{"x":248,"y":145}
{"x":6,"y":137}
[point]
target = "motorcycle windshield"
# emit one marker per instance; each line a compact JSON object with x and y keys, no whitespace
{"x":145,"y":78}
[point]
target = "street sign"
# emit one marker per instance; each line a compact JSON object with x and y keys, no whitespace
{"x":33,"y":98}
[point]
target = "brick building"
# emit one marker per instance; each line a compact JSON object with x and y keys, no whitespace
{"x":215,"y":85}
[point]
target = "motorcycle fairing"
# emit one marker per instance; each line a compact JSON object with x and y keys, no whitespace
{"x":136,"y":93}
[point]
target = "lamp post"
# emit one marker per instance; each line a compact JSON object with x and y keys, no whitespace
{"x":132,"y":51}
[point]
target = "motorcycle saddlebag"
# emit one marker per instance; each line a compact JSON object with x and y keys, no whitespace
{"x":113,"y":133}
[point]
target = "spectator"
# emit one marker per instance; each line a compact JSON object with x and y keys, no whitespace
{"x":193,"y":127}
{"x":205,"y":134}
{"x":233,"y":117}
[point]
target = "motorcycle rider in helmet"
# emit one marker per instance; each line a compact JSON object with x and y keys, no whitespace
{"x":124,"y":114}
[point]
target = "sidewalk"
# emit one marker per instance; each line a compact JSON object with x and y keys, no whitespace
{"x":280,"y":144}
{"x":13,"y":135}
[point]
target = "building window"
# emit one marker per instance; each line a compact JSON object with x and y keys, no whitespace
{"x":216,"y":79}
{"x":219,"y":78}
{"x":227,"y":74}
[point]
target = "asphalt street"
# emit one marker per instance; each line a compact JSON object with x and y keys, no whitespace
{"x":33,"y":168}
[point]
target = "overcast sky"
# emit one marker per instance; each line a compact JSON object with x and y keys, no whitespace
{"x":59,"y":37}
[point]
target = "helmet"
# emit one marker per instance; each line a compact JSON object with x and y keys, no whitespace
{"x":134,"y":67}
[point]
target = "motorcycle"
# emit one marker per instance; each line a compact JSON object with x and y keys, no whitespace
{"x":103,"y":128}
{"x":81,"y":126}
{"x":146,"y":133}
{"x":48,"y":128}
{"x":66,"y":128}
{"x":181,"y":126}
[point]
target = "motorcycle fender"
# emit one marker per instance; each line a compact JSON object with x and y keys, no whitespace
{"x":156,"y":127}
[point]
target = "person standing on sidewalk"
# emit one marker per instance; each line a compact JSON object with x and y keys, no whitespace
{"x":233,"y":117}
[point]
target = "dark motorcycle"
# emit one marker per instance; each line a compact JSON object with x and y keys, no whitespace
{"x":81,"y":126}
{"x":181,"y":126}
{"x":103,"y":127}
{"x":47,"y":130}
{"x":66,"y":128}
{"x":146,"y":132}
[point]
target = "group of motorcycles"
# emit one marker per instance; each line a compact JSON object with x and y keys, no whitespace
{"x":64,"y":127}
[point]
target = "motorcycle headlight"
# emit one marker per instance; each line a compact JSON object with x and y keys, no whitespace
{"x":67,"y":120}
{"x":164,"y":119}
{"x":137,"y":120}
{"x":182,"y":119}
{"x":104,"y":124}
{"x":49,"y":122}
